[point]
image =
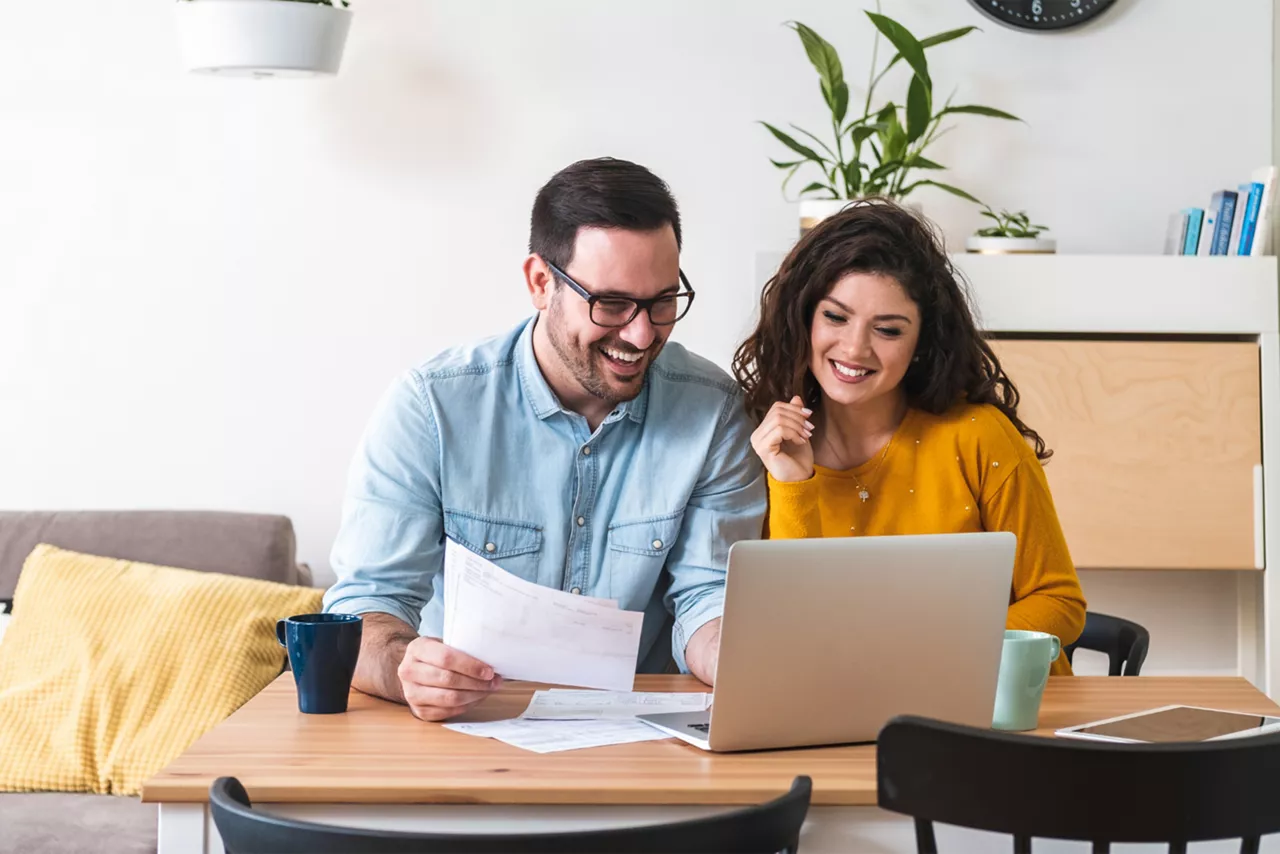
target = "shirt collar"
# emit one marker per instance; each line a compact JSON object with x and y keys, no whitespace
{"x":544,"y":401}
{"x":541,"y":397}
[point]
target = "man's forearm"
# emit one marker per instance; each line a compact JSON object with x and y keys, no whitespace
{"x":702,"y":653}
{"x":382,"y":646}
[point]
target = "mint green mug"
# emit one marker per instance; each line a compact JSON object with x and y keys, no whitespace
{"x":1024,"y":670}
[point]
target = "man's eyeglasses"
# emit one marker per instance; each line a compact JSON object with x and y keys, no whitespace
{"x":613,"y":312}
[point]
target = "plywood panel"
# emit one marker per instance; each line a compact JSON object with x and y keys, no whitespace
{"x":1155,"y":443}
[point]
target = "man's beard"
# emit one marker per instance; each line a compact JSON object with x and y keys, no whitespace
{"x":586,"y":366}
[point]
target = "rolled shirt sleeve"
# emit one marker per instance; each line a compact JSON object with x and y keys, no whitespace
{"x":728,"y":504}
{"x":389,"y":546}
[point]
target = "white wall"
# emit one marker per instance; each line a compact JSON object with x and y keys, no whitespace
{"x":204,"y":284}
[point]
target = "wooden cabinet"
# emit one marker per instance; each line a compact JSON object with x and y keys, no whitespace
{"x":1157,"y":445}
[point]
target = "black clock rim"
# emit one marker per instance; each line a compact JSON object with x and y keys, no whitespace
{"x":1043,"y":27}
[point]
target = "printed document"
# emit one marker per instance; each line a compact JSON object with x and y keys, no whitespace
{"x":525,"y":631}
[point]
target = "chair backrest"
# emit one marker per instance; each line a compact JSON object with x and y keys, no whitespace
{"x":1124,"y":642}
{"x":763,"y":829}
{"x":1064,"y":789}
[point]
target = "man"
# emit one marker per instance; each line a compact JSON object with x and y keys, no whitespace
{"x":578,"y":451}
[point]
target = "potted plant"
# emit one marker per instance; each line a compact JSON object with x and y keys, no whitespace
{"x":1013,"y":233}
{"x":879,"y":150}
{"x":263,"y":38}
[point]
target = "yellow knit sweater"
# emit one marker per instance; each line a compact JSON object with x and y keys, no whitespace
{"x":965,"y":470}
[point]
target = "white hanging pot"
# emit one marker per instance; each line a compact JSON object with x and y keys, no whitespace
{"x":1011,"y":245}
{"x":262,"y":38}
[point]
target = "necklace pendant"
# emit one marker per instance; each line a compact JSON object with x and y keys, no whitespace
{"x":864,"y":495}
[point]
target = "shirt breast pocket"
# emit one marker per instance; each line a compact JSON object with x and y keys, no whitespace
{"x":512,"y":545}
{"x":638,"y":551}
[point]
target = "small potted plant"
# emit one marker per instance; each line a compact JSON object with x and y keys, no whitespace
{"x":263,"y":38}
{"x":1013,"y":233}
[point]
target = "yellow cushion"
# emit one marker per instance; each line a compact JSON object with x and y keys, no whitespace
{"x":112,"y":668}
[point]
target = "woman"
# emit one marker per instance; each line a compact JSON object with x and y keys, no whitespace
{"x":883,"y":411}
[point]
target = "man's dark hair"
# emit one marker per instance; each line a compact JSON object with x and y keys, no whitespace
{"x":600,"y":193}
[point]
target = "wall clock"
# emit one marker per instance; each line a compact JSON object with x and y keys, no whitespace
{"x":1043,"y":14}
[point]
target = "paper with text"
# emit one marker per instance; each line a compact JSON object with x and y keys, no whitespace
{"x":552,"y":736}
{"x":610,"y":705}
{"x":526,"y":631}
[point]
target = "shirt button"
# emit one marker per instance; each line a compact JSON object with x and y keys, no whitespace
{"x":577,"y":591}
{"x":582,"y":520}
{"x":657,"y":544}
{"x":586,"y":451}
{"x":490,"y":547}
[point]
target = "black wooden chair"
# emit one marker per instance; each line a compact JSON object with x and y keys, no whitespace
{"x":762,"y":829}
{"x":1066,"y":789}
{"x":1124,"y":641}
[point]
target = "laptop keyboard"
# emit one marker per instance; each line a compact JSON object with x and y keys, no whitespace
{"x":702,"y":728}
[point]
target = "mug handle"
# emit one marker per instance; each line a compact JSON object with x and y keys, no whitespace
{"x":1057,"y":648}
{"x":280,"y":624}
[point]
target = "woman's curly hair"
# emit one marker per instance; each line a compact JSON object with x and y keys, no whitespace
{"x":953,"y":362}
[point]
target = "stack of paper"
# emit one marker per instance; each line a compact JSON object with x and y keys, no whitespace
{"x":609,"y":705}
{"x":551,"y":736}
{"x":570,"y":720}
{"x":526,"y":631}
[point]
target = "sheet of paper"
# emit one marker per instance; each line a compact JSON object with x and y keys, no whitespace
{"x":552,"y":736}
{"x":526,"y":631}
{"x":609,"y":705}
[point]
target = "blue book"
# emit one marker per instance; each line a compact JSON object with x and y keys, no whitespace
{"x":1223,"y":204}
{"x":1192,"y":238}
{"x":1252,"y":196}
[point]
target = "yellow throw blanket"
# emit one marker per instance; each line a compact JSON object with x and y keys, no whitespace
{"x":111,"y":668}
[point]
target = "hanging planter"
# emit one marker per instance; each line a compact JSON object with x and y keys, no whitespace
{"x":263,"y":38}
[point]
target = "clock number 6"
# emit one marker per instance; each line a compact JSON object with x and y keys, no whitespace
{"x":1037,"y":8}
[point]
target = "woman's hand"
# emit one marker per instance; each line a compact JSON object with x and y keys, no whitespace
{"x":782,"y":441}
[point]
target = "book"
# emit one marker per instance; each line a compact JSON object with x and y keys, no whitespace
{"x":1223,"y":204}
{"x":1251,"y":199}
{"x":1237,"y":223}
{"x":1206,"y":232}
{"x":1176,"y":234}
{"x":1263,"y":239}
{"x":1191,"y":241}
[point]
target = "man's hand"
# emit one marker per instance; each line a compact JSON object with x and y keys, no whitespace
{"x":433,"y":680}
{"x":702,"y":653}
{"x":439,"y":682}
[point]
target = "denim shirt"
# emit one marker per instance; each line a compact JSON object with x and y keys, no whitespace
{"x":474,"y":445}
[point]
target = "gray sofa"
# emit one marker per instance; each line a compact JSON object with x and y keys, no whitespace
{"x":258,"y":546}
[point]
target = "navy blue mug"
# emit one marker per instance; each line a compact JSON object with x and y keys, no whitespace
{"x":323,"y":649}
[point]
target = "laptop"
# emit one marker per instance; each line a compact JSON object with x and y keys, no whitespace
{"x":824,"y":640}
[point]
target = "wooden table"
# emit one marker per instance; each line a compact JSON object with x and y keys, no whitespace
{"x":378,"y":766}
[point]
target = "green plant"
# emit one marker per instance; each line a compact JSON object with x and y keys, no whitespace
{"x":343,"y":3}
{"x":895,"y":134}
{"x":1010,"y":225}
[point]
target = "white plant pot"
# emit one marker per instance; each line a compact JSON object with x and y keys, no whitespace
{"x":261,"y":38}
{"x":814,"y":211}
{"x":1011,"y":245}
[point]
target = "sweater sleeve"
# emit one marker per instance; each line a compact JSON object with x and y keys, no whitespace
{"x":793,"y":510}
{"x":1046,"y":594}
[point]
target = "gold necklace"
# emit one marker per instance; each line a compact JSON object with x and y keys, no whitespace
{"x":863,"y":492}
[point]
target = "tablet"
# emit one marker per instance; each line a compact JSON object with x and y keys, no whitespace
{"x":1174,"y":723}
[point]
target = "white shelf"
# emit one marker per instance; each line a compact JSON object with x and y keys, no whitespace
{"x":1152,"y":294}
